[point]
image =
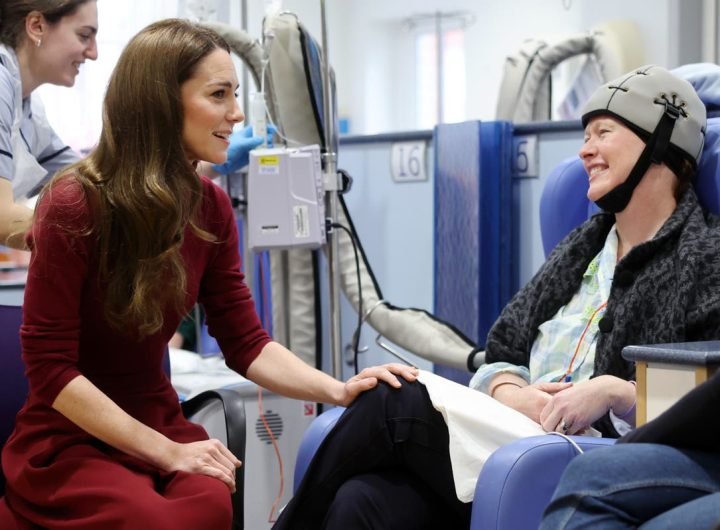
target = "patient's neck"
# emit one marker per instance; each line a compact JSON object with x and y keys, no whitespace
{"x":651,"y":205}
{"x":640,"y":221}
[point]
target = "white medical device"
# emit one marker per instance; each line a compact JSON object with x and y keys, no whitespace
{"x":257,"y":114}
{"x":285,"y":198}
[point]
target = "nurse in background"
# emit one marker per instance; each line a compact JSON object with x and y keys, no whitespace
{"x":40,"y":42}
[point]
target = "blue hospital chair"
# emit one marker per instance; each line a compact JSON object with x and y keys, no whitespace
{"x":518,"y":480}
{"x":220,"y":411}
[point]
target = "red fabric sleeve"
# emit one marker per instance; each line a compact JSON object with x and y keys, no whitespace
{"x":231,"y":315}
{"x":56,"y":276}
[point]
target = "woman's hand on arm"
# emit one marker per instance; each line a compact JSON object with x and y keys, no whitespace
{"x":584,"y":403}
{"x":282,"y":372}
{"x":90,"y":409}
{"x":15,"y":219}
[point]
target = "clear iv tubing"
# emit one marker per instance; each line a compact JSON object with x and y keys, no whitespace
{"x":268,"y":117}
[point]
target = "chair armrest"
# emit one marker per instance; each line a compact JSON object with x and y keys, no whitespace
{"x":222,"y":413}
{"x":313,"y":437}
{"x":666,"y":372}
{"x":518,"y":480}
{"x":475,"y":360}
{"x":701,"y":353}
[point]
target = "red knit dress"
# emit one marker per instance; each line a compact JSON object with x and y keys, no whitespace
{"x":58,"y":476}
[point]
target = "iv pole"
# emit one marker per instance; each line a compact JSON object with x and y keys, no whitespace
{"x":331,"y":185}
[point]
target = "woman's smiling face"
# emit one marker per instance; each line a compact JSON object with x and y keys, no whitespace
{"x":210,"y":108}
{"x":609,"y":153}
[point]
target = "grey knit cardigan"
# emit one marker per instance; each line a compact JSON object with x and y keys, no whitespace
{"x":664,"y":290}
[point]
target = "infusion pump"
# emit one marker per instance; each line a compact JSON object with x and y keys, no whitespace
{"x":285,"y":198}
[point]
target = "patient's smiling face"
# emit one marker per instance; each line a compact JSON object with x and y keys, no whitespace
{"x":609,"y":153}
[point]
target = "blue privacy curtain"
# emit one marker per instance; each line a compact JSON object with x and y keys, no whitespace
{"x":474,"y":267}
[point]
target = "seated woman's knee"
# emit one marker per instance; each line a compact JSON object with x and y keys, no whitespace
{"x":194,"y":501}
{"x":384,"y":394}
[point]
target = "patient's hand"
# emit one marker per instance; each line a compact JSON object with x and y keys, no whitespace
{"x":584,"y":403}
{"x":530,"y":399}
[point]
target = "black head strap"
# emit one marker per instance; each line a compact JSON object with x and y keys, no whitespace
{"x":617,"y":199}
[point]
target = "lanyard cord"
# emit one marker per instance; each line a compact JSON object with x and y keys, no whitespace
{"x":566,"y":376}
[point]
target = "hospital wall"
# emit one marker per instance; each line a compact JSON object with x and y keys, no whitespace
{"x":373,"y":54}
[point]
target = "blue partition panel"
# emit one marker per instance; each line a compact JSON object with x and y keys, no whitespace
{"x":474,"y":274}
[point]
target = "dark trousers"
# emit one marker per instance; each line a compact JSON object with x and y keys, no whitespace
{"x":385,"y":465}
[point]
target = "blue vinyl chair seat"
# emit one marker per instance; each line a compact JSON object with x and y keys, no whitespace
{"x":527,"y":469}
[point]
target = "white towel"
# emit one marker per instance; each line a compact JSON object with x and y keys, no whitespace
{"x":478,"y":425}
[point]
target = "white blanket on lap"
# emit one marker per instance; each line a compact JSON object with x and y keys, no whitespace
{"x":478,"y":425}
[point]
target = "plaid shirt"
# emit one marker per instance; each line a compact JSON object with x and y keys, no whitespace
{"x":558,"y":338}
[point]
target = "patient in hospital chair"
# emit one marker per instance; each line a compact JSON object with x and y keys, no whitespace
{"x":642,"y":271}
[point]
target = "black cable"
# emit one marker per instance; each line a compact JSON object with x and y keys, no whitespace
{"x":318,"y":318}
{"x":356,"y":335}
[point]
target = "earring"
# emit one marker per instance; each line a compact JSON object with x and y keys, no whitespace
{"x":38,"y":42}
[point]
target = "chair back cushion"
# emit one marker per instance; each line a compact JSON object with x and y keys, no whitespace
{"x":13,"y":385}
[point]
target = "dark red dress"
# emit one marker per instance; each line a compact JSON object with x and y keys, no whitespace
{"x":58,"y":476}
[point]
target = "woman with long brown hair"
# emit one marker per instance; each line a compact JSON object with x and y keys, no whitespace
{"x":47,"y":42}
{"x":124,"y":242}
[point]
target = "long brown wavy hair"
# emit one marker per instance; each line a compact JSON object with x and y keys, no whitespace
{"x":142,"y":189}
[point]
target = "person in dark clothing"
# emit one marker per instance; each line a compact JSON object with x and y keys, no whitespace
{"x":663,"y":475}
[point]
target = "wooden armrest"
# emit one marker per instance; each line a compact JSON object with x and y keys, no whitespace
{"x":666,"y":372}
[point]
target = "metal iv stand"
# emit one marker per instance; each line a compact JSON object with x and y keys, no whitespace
{"x":331,"y":183}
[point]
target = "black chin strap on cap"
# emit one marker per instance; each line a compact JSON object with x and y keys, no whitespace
{"x":617,"y":199}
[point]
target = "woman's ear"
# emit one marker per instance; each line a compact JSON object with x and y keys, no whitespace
{"x":35,"y":26}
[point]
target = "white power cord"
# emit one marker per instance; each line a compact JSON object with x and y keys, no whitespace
{"x":570,"y":440}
